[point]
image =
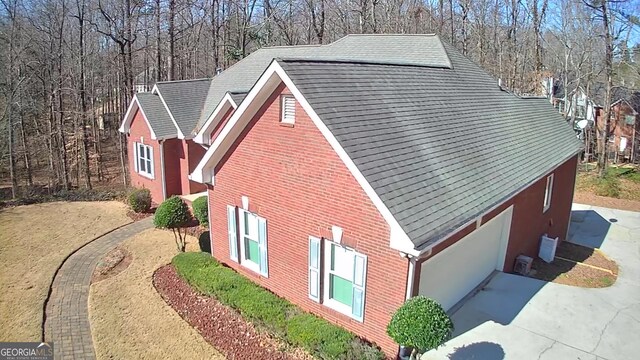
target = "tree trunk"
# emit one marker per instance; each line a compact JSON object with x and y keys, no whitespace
{"x":25,"y":147}
{"x":603,"y":159}
{"x":83,"y":99}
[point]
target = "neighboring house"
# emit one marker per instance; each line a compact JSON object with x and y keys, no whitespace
{"x":624,"y":126}
{"x":573,"y":100}
{"x":340,"y":183}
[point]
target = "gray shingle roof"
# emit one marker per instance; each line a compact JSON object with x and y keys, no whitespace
{"x":185,"y":100}
{"x":238,"y":97}
{"x":157,"y":115}
{"x":439,"y":146}
{"x":426,"y":50}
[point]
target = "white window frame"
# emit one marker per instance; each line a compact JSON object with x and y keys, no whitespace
{"x":548,"y":193}
{"x":149,"y":166}
{"x":283,"y":100}
{"x":244,"y":261}
{"x":326,"y":300}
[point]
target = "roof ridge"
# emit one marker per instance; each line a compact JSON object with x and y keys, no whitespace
{"x":365,"y":62}
{"x":181,"y":81}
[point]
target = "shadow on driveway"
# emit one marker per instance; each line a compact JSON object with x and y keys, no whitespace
{"x":504,"y":297}
{"x":588,"y":228}
{"x":484,"y":350}
{"x":500,"y":301}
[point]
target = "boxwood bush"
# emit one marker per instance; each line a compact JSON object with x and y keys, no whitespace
{"x":271,"y":312}
{"x":140,"y":200}
{"x":201,"y":210}
{"x":173,"y":214}
{"x":420,"y":323}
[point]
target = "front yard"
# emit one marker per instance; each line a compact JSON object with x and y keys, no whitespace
{"x":34,"y":240}
{"x":130,"y":320}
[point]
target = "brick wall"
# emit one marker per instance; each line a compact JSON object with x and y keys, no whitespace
{"x":529,"y":222}
{"x":173,"y":152}
{"x":195,"y":152}
{"x":295,"y":180}
{"x":225,"y":118}
{"x":139,"y":132}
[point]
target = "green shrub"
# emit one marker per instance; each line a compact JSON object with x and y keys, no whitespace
{"x":140,"y":200}
{"x":201,"y":210}
{"x":318,"y":336}
{"x":420,"y":323}
{"x":173,"y":214}
{"x":608,"y":186}
{"x":270,"y":312}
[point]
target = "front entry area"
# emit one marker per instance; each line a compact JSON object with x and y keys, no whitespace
{"x":451,"y":274}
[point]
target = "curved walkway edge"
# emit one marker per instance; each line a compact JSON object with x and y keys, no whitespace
{"x":67,"y":315}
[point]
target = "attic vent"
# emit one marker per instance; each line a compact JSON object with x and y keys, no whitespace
{"x":288,"y":109}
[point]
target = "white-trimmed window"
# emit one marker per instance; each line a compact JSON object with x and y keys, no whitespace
{"x":345,"y":273}
{"x":253,"y":242}
{"x":547,"y":193}
{"x":143,"y":159}
{"x":287,"y":109}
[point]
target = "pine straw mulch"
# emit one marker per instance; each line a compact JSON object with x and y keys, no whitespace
{"x":577,"y":265}
{"x":219,"y":325}
{"x":115,"y":262}
{"x":139,"y":216}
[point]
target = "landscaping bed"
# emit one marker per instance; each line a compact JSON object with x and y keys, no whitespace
{"x":216,"y":301}
{"x":577,"y":265}
{"x":116,"y":261}
{"x":219,"y":325}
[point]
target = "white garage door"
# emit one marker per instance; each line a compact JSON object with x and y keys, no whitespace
{"x":451,"y":274}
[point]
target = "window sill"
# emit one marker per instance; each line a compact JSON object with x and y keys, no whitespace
{"x":148,"y":176}
{"x":286,"y":125}
{"x":248,"y":264}
{"x":339,"y":307}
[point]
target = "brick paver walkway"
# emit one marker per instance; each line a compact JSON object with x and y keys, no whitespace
{"x":67,"y":322}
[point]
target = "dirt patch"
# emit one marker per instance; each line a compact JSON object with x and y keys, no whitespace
{"x":138,"y":216}
{"x":115,"y":262}
{"x":577,"y":265}
{"x":586,"y":255}
{"x":587,"y":198}
{"x":130,"y":320}
{"x":34,"y":240}
{"x":218,"y":324}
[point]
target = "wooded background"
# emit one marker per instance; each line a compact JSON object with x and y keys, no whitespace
{"x":68,"y":66}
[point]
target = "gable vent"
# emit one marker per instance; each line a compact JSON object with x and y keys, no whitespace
{"x":288,"y":106}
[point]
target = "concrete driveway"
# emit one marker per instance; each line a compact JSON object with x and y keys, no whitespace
{"x":514,"y":317}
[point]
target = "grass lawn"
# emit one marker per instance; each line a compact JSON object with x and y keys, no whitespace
{"x":130,"y":320}
{"x":34,"y":240}
{"x":620,"y":188}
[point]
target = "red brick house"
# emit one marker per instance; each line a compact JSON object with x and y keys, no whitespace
{"x":159,"y":127}
{"x":624,"y":140}
{"x":340,"y":183}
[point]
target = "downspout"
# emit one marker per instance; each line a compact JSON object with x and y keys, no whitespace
{"x":411,"y":274}
{"x":164,"y":183}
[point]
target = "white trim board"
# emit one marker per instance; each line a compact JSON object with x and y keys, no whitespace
{"x":156,"y":90}
{"x":262,"y":90}
{"x":204,"y":134}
